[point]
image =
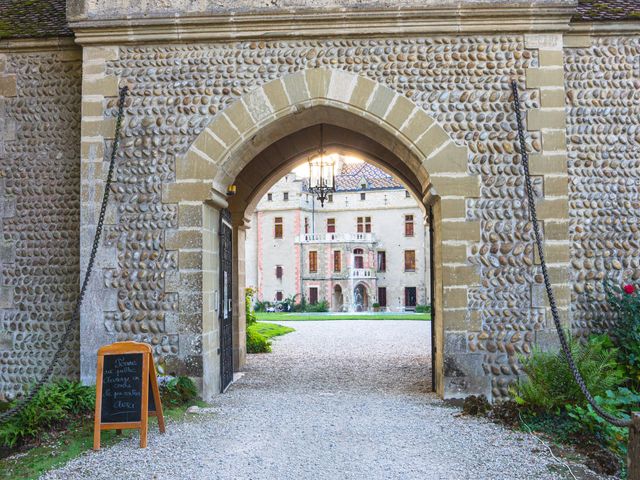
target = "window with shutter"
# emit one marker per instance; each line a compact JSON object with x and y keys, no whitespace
{"x":278,"y":229}
{"x":409,"y":260}
{"x":408,"y":225}
{"x":337,"y":261}
{"x":313,"y":261}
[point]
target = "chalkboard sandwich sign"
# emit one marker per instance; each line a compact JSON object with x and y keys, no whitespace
{"x":126,"y":390}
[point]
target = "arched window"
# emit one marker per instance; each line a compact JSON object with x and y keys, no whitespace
{"x":358,"y":258}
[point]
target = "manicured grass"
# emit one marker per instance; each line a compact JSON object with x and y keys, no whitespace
{"x":57,"y":448}
{"x":289,"y":317}
{"x":271,"y":330}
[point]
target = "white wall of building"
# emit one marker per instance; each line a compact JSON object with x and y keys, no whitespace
{"x":387,"y":209}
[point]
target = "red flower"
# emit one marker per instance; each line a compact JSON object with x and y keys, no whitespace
{"x":629,"y":289}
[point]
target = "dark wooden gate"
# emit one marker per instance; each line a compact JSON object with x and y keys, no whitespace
{"x":226,"y":297}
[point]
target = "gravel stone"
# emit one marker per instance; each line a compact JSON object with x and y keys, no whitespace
{"x":335,"y":400}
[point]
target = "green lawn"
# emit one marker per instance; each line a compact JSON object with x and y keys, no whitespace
{"x":271,"y":330}
{"x":55,"y":450}
{"x":274,"y":317}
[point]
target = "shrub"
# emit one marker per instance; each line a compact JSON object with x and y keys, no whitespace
{"x":82,"y":398}
{"x":177,"y":391}
{"x":289,"y":304}
{"x":376,"y":305}
{"x":53,"y":405}
{"x":322,"y":306}
{"x":301,"y":306}
{"x":619,"y":403}
{"x":256,"y":342}
{"x":625,"y":301}
{"x":559,"y":425}
{"x":248,"y":305}
{"x":261,"y":306}
{"x":550,"y":384}
{"x":423,"y":308}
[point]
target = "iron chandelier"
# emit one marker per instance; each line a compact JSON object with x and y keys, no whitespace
{"x":322,"y":180}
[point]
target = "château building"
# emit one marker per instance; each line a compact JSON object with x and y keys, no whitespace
{"x":365,"y":246}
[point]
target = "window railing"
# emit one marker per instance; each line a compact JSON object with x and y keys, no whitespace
{"x":363,"y":273}
{"x":336,"y":238}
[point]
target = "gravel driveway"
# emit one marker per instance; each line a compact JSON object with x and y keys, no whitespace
{"x":335,"y":400}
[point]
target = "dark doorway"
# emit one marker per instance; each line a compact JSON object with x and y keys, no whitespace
{"x":382,"y":296}
{"x":410,"y":298}
{"x":313,"y":295}
{"x":225,"y":315}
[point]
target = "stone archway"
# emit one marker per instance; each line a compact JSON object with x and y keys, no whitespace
{"x":230,"y":151}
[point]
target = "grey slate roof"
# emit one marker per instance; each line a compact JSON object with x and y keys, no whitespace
{"x":33,"y":18}
{"x":352,"y":175}
{"x":47,"y":18}
{"x":603,"y":10}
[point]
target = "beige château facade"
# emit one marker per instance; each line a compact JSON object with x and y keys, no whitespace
{"x":367,"y":245}
{"x":228,"y":95}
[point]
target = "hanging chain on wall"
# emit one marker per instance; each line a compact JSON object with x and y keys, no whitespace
{"x":75,"y":316}
{"x":547,"y":283}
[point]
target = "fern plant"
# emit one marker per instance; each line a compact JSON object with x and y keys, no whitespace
{"x":53,"y":405}
{"x":550,"y":385}
{"x":178,"y":391}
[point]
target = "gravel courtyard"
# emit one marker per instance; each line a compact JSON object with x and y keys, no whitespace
{"x":335,"y":400}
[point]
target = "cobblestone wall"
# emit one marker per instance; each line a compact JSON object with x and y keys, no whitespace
{"x":39,"y":212}
{"x":603,"y":141}
{"x":462,"y":82}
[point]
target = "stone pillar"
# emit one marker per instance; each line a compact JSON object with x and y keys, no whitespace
{"x":437,"y":321}
{"x":97,"y":133}
{"x":458,"y":364}
{"x":240,"y":225}
{"x":550,"y":166}
{"x":8,"y":89}
{"x":210,"y":264}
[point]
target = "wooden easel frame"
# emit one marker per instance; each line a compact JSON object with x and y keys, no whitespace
{"x":148,"y":375}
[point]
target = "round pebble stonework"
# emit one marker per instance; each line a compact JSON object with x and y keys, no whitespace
{"x":462,"y":82}
{"x":603,"y":142}
{"x":40,"y":176}
{"x":177,"y":90}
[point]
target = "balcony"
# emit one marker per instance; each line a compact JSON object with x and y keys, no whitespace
{"x":363,"y":273}
{"x":336,"y":238}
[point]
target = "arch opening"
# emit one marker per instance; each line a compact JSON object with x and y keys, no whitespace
{"x":259,"y":138}
{"x":358,"y":292}
{"x":282,"y":156}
